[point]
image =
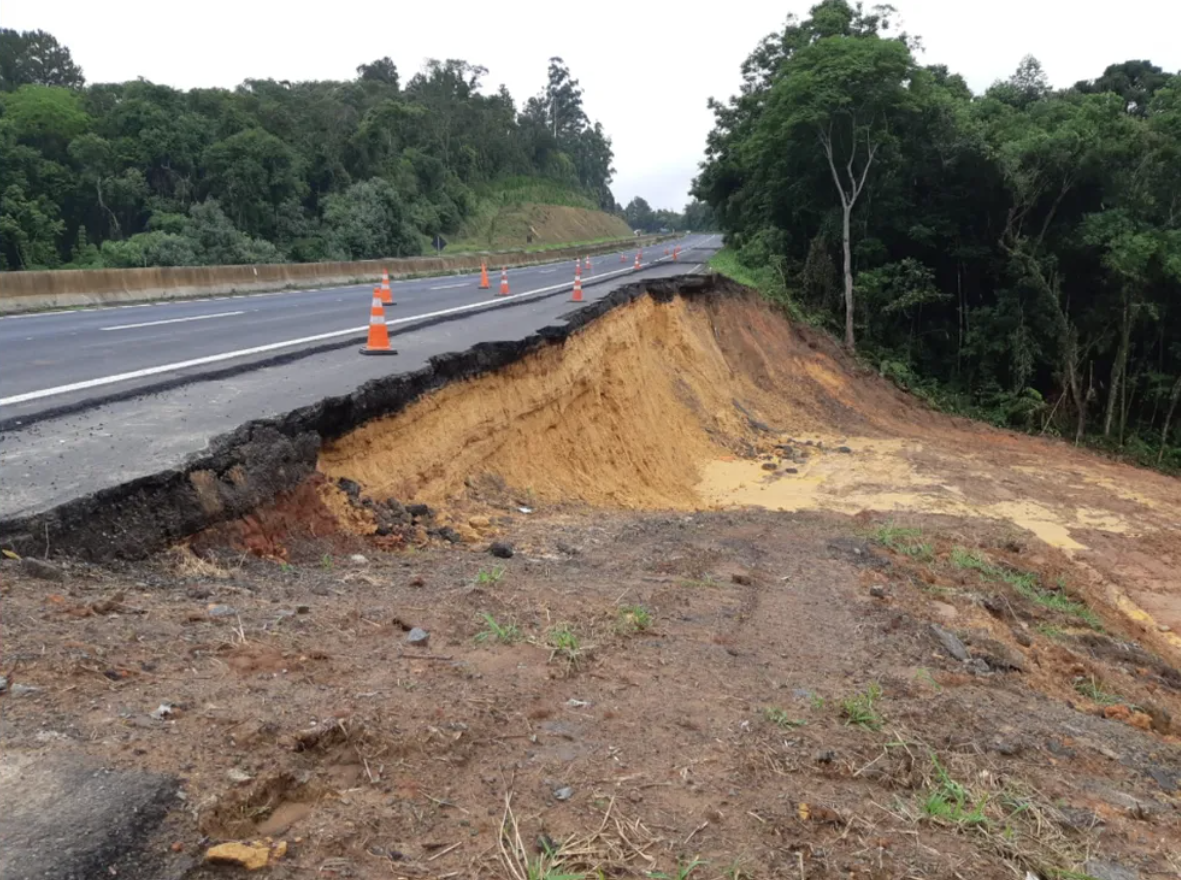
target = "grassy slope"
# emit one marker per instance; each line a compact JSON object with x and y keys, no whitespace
{"x":557,"y":215}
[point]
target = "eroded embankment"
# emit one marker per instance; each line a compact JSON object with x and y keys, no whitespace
{"x":263,"y":459}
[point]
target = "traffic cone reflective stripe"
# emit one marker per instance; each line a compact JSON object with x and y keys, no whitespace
{"x":578,"y":268}
{"x":504,"y":281}
{"x":577,"y":289}
{"x":379,"y":336}
{"x":484,"y":285}
{"x":387,"y":295}
{"x":636,"y":267}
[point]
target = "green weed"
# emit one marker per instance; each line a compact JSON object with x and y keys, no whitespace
{"x":563,"y":642}
{"x":683,"y":872}
{"x":326,"y":562}
{"x":780,"y":718}
{"x":951,"y":803}
{"x":905,"y":541}
{"x":506,"y":633}
{"x":1026,"y":584}
{"x":1093,"y":690}
{"x":635,"y":618}
{"x":861,"y":709}
{"x":488,"y":576}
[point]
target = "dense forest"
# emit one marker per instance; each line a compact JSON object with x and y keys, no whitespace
{"x":138,"y":174}
{"x":1014,"y":255}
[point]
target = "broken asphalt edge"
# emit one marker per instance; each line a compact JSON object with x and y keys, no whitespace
{"x":21,"y":422}
{"x":258,"y":461}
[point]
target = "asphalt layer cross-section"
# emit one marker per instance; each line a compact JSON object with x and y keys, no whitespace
{"x":49,"y":461}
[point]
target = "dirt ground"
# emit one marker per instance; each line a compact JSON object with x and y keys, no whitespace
{"x":763,"y":617}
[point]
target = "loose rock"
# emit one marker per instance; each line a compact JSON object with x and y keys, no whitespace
{"x":877,"y":591}
{"x":564,"y":793}
{"x":23,"y":690}
{"x":221,"y":610}
{"x":358,"y":559}
{"x":251,"y":856}
{"x":501,"y":549}
{"x":770,"y":466}
{"x":950,"y":642}
{"x":420,"y":510}
{"x":1101,"y":869}
{"x":743,"y":580}
{"x":844,"y":449}
{"x":449,"y":535}
{"x":42,"y":570}
{"x":418,"y":637}
{"x":3,"y":683}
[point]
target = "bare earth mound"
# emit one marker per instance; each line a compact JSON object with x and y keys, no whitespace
{"x":751,"y":614}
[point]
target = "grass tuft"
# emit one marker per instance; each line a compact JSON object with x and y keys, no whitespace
{"x":1026,"y":584}
{"x":506,"y":633}
{"x":861,"y":709}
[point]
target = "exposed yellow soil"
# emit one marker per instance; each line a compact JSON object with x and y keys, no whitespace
{"x":689,"y":405}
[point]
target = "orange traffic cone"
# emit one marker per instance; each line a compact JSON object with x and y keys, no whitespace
{"x":636,"y":267}
{"x":666,"y":252}
{"x":379,"y":336}
{"x":578,"y":268}
{"x":484,"y":285}
{"x":577,"y":298}
{"x":588,"y":265}
{"x":387,"y":295}
{"x":676,"y":253}
{"x":623,"y":258}
{"x":504,"y":281}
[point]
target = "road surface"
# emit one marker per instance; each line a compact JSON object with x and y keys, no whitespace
{"x":56,"y":358}
{"x":94,"y":445}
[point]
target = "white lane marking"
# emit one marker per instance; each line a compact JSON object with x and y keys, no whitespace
{"x":275,"y":346}
{"x":172,"y":321}
{"x":182,"y":300}
{"x":547,"y":271}
{"x":447,"y":286}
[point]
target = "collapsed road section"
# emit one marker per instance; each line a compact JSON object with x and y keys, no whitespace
{"x":257,"y":461}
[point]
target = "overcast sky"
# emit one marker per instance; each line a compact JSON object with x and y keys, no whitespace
{"x":646,"y":68}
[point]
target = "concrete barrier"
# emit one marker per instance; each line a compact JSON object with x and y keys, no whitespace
{"x":70,"y":288}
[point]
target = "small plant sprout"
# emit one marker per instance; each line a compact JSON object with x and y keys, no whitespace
{"x":326,"y":562}
{"x":905,"y":541}
{"x":564,"y":643}
{"x":780,"y":718}
{"x":635,"y":618}
{"x":861,"y":709}
{"x":489,"y":576}
{"x":506,"y":633}
{"x":950,"y":803}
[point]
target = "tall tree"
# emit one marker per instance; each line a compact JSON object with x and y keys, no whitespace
{"x":36,"y":58}
{"x":842,"y":95}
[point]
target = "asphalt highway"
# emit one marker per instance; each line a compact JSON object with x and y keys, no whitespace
{"x":99,"y":444}
{"x":97,"y":350}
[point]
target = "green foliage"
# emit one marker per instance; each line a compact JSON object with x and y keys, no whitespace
{"x":950,"y":803}
{"x":1027,"y":584}
{"x":35,"y":58}
{"x":1013,"y":256}
{"x":635,"y":618}
{"x":506,"y":633}
{"x":905,"y":541}
{"x":861,"y":709}
{"x":780,"y":718}
{"x":1094,"y":691}
{"x":489,"y":576}
{"x":273,"y":171}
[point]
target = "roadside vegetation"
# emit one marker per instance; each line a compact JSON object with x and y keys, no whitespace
{"x":1014,"y":256}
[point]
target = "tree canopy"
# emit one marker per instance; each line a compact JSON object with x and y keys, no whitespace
{"x":138,"y":174}
{"x":1015,"y":254}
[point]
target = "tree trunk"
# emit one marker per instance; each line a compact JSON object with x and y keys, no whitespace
{"x":1120,"y":365}
{"x":1174,"y":396}
{"x":849,"y":340}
